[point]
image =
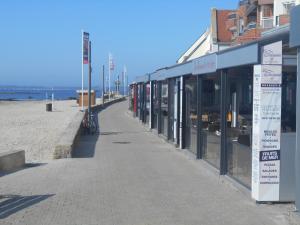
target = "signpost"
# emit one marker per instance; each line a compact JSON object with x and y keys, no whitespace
{"x":103,"y":81}
{"x":266,"y":132}
{"x":124,"y":79}
{"x":85,"y":60}
{"x":90,"y":85}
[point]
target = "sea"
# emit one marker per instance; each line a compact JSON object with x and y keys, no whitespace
{"x":20,"y":93}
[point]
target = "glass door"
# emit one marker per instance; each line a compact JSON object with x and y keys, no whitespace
{"x":171,"y":109}
{"x":239,"y":124}
{"x":191,"y":114}
{"x":211,"y":111}
{"x":164,"y":108}
{"x":155,"y":105}
{"x":147,"y":103}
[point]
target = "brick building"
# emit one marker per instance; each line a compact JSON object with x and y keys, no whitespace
{"x":244,"y":24}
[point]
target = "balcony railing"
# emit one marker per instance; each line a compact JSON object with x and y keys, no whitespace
{"x":266,"y":22}
{"x":251,"y":25}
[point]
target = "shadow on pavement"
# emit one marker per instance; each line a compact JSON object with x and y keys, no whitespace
{"x":86,"y":146}
{"x":10,"y":204}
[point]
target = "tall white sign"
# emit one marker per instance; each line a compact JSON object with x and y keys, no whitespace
{"x":266,"y":132}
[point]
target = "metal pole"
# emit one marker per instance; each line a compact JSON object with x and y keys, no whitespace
{"x":82,"y":70}
{"x":181,"y":141}
{"x":297,"y":158}
{"x":127,"y":85}
{"x":90,"y":75}
{"x":52,"y":98}
{"x":109,"y":61}
{"x":118,"y":85}
{"x":124,"y":84}
{"x":103,"y":77}
{"x":150,"y":104}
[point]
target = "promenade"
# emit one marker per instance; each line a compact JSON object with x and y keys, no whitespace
{"x":128,"y":176}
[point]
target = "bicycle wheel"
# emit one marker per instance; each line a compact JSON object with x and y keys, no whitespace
{"x":93,"y":127}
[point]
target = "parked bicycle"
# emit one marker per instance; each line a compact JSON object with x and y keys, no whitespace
{"x":94,"y":128}
{"x":90,"y":127}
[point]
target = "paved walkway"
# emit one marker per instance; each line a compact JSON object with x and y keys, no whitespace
{"x":127,"y":176}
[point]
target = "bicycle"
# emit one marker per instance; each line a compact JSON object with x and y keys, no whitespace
{"x":92,"y":126}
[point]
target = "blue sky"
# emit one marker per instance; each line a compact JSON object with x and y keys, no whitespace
{"x":41,"y":40}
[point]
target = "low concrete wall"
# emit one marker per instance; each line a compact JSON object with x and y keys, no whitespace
{"x":65,"y":145}
{"x":107,"y":103}
{"x":71,"y":135}
{"x":12,"y":160}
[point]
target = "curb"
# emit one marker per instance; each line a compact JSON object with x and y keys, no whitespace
{"x":12,"y":160}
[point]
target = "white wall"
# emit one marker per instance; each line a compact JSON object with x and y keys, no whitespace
{"x":279,"y":8}
{"x":203,"y":49}
{"x":199,"y":48}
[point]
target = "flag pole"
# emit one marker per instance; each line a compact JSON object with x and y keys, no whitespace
{"x":82,"y":70}
{"x":109,"y":61}
{"x":124,"y":85}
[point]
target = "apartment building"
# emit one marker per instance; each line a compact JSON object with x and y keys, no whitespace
{"x":216,"y":37}
{"x":235,"y":27}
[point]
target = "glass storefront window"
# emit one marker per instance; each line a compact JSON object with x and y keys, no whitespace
{"x":155,"y":105}
{"x":239,"y":124}
{"x":147,"y":103}
{"x":131,"y":99}
{"x":191,"y":114}
{"x":164,"y":108}
{"x":139,"y":101}
{"x":211,"y":130}
{"x":288,"y":109}
{"x":171,"y":99}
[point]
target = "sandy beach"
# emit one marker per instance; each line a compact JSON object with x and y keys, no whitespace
{"x":25,"y":125}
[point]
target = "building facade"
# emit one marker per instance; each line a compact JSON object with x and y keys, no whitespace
{"x":247,"y":23}
{"x":234,"y":109}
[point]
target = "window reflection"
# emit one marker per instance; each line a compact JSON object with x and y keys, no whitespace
{"x":239,"y":124}
{"x":139,"y":96}
{"x":147,"y":102}
{"x":164,"y":108}
{"x":211,"y":130}
{"x":155,"y":104}
{"x":191,"y":114}
{"x":288,"y":109}
{"x":171,"y":99}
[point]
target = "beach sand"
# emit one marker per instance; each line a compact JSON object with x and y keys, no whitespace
{"x":25,"y":125}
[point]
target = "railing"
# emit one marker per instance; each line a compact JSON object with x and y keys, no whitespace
{"x":251,"y":25}
{"x":266,"y":22}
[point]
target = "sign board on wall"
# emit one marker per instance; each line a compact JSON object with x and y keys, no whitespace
{"x":205,"y":64}
{"x":266,"y":131}
{"x":272,"y":54}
